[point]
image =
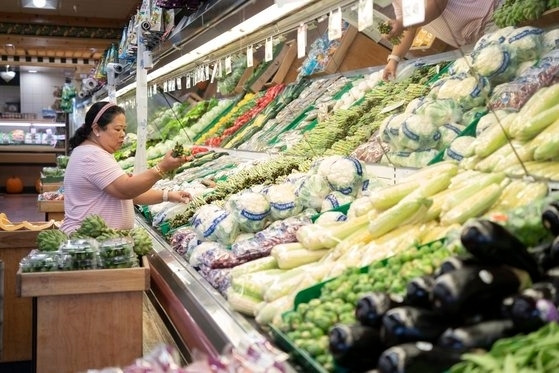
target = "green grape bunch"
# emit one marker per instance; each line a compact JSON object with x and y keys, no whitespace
{"x":385,"y":28}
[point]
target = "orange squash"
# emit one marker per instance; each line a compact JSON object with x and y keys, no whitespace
{"x":38,"y":185}
{"x":14,"y":185}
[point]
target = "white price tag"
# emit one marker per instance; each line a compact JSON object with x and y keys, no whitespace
{"x":228,"y":66}
{"x":365,"y":14}
{"x":172,"y":85}
{"x":187,"y":81}
{"x":250,"y":57}
{"x":301,"y":40}
{"x":219,"y":68}
{"x":179,"y":83}
{"x":207,"y":73}
{"x":154,"y":89}
{"x":335,"y":24}
{"x":413,"y":12}
{"x":214,"y":73}
{"x":165,"y":87}
{"x":268,"y":50}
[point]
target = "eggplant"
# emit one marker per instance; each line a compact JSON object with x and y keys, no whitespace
{"x":480,"y":335}
{"x":479,"y":289}
{"x":371,"y":307}
{"x":550,"y":218}
{"x":456,"y":262}
{"x":355,"y":347}
{"x":554,"y":252}
{"x":418,"y":291}
{"x":544,"y":256}
{"x":533,"y":308}
{"x":411,"y":324}
{"x":493,"y":244}
{"x":419,"y":357}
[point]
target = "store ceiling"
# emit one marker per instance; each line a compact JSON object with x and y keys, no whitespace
{"x":74,"y":35}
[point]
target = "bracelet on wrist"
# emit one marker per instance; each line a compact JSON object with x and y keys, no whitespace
{"x":393,"y":57}
{"x":159,"y":171}
{"x":165,"y":195}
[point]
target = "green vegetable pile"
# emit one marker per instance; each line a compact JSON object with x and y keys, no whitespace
{"x":384,"y":28}
{"x":534,"y":352}
{"x":515,"y":12}
{"x":309,"y":324}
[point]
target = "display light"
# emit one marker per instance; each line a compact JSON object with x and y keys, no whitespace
{"x":7,"y":75}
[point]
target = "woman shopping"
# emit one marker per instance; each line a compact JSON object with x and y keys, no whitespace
{"x":94,"y":182}
{"x":456,"y":22}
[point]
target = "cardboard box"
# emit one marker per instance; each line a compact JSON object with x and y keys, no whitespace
{"x":273,"y":68}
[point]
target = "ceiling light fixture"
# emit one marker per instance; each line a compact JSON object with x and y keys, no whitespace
{"x":7,"y":75}
{"x":39,"y":4}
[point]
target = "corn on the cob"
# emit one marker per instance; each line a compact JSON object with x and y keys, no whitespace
{"x":473,"y":206}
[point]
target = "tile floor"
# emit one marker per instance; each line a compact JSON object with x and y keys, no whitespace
{"x":20,"y":207}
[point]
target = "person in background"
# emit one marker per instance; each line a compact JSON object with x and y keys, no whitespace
{"x":455,"y":22}
{"x":94,"y":182}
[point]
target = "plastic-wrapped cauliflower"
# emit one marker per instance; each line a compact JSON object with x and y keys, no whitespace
{"x":498,"y":36}
{"x":527,"y":42}
{"x":390,"y":129}
{"x":496,"y":61}
{"x":346,"y":175}
{"x":322,"y":165}
{"x":312,"y":190}
{"x":461,"y":66}
{"x":414,"y":104}
{"x":489,"y":119}
{"x":213,"y":223}
{"x":372,"y":184}
{"x":460,"y":148}
{"x":449,"y":132}
{"x":550,"y":40}
{"x":251,"y":210}
{"x":474,"y":113}
{"x":440,"y":112}
{"x":330,"y":217}
{"x":283,"y":202}
{"x":469,"y":91}
{"x":335,"y":200}
{"x":359,"y":207}
{"x":415,"y":159}
{"x":199,"y":250}
{"x":418,"y":132}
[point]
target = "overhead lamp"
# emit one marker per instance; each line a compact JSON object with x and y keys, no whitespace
{"x":7,"y":75}
{"x":40,"y":4}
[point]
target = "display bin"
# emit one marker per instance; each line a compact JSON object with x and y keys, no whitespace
{"x":52,"y":209}
{"x":86,"y":319}
{"x":17,"y":312}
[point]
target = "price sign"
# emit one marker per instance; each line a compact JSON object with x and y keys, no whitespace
{"x":250,"y":57}
{"x":413,"y":12}
{"x":301,"y":40}
{"x":228,"y":65}
{"x":268,"y":50}
{"x":364,"y":14}
{"x":335,"y":24}
{"x":179,"y":83}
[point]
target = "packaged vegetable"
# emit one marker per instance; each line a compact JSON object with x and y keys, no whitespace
{"x":312,"y":190}
{"x":214,"y":223}
{"x":251,"y":211}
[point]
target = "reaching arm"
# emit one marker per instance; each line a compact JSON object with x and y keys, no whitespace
{"x":399,"y":52}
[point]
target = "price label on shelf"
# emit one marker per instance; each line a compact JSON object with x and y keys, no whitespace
{"x":214,"y":73}
{"x":301,"y":40}
{"x":335,"y":24}
{"x":250,"y":57}
{"x":413,"y":12}
{"x":268,"y":50}
{"x":364,"y":14}
{"x":228,"y":66}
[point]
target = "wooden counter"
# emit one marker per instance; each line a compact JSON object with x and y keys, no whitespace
{"x":52,"y":209}
{"x":87,"y":319}
{"x":17,"y":336}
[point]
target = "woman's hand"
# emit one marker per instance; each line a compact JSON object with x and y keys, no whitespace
{"x":180,"y":196}
{"x":169,"y":162}
{"x":389,"y":71}
{"x":396,"y":28}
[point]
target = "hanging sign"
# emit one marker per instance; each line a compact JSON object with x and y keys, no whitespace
{"x":250,"y":57}
{"x":268,"y":50}
{"x":179,"y":83}
{"x":165,"y":87}
{"x":335,"y":24}
{"x":214,"y":73}
{"x":301,"y":40}
{"x":172,"y":85}
{"x":228,"y":66}
{"x":364,"y":14}
{"x":413,"y":12}
{"x":154,"y":89}
{"x":187,"y":81}
{"x":207,"y":72}
{"x":220,"y":69}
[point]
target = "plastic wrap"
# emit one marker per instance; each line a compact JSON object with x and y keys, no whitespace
{"x":219,"y":278}
{"x":217,"y":257}
{"x":183,"y":240}
{"x":371,"y":151}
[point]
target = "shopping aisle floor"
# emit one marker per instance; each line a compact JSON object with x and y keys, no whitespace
{"x":19,"y":207}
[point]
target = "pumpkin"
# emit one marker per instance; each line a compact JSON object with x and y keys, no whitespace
{"x":14,"y":185}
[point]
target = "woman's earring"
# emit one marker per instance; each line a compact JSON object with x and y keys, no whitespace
{"x":97,"y":134}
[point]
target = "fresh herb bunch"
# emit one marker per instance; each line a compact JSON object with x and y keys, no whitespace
{"x":385,"y":28}
{"x":178,"y":150}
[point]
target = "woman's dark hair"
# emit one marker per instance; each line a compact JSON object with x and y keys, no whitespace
{"x":107,"y":110}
